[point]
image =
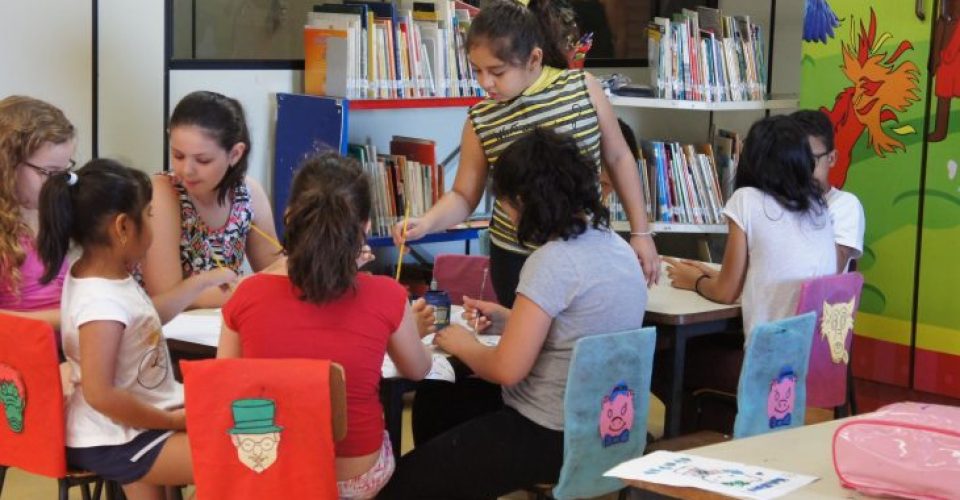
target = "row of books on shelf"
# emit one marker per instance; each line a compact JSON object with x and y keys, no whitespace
{"x":389,"y":49}
{"x":406,"y":181}
{"x":703,"y":55}
{"x":684,"y":183}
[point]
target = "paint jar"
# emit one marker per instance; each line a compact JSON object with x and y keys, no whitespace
{"x":440,"y":300}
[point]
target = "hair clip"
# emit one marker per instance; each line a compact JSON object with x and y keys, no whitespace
{"x":525,"y":3}
{"x":72,"y":178}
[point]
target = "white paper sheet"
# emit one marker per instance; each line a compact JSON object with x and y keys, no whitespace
{"x":719,"y":476}
{"x":199,"y":327}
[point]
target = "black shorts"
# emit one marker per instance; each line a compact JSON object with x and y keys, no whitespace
{"x":124,"y":463}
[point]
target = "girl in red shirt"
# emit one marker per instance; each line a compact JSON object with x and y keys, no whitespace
{"x":314,"y":304}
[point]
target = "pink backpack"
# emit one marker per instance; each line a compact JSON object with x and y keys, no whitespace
{"x":910,"y":450}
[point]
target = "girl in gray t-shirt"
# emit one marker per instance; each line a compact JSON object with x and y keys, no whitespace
{"x":582,"y":280}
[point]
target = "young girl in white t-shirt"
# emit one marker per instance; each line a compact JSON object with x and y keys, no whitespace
{"x":125,"y":419}
{"x":779,"y":235}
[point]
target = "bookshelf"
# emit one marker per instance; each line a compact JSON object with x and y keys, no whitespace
{"x":414,"y":103}
{"x":673,"y":228}
{"x":785,"y":102}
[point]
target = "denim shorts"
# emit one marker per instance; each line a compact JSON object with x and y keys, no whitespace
{"x":124,"y":463}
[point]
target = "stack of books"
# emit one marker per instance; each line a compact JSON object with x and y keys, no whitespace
{"x":680,"y":185}
{"x":366,"y":49}
{"x":409,"y":175}
{"x":702,"y":55}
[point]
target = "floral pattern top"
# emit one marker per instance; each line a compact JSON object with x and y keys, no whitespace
{"x":203,"y":248}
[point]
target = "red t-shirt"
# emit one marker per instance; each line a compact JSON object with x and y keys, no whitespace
{"x":353,"y":330}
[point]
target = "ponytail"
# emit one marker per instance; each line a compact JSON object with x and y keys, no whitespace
{"x":73,"y":207}
{"x":512,"y":30}
{"x":324,"y":226}
{"x":56,"y":221}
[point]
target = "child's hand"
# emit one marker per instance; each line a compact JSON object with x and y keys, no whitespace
{"x":485,"y":317}
{"x":683,"y":274}
{"x":224,"y":277}
{"x":366,"y":256}
{"x":425,"y":317}
{"x":453,"y":339}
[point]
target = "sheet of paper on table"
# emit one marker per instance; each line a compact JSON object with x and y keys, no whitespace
{"x":719,"y":476}
{"x":198,"y":327}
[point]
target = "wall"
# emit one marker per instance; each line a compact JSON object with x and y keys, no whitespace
{"x":46,"y":51}
{"x":130,"y":103}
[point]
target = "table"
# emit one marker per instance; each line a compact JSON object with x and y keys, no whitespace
{"x":679,"y":316}
{"x":803,"y":450}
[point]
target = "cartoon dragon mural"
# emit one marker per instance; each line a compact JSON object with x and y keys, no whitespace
{"x":880,"y":89}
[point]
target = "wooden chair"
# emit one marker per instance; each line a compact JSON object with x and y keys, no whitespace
{"x":771,"y":393}
{"x":835,"y":300}
{"x":33,"y":432}
{"x":605,"y":408}
{"x":461,"y":275}
{"x":264,"y":428}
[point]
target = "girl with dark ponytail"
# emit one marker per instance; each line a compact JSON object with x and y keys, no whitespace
{"x":315,"y":304}
{"x":520,"y":55}
{"x":121,"y":369}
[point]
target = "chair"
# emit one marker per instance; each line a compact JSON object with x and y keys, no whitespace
{"x":264,"y":428}
{"x":835,"y":300}
{"x":33,"y":432}
{"x":771,"y":393}
{"x":461,"y":275}
{"x":605,"y":409}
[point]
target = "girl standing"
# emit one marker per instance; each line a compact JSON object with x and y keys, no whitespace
{"x":315,"y":304}
{"x":519,"y":54}
{"x":206,"y":207}
{"x":125,"y":419}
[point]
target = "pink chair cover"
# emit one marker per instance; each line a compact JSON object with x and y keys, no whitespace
{"x":835,"y":299}
{"x":461,"y":275}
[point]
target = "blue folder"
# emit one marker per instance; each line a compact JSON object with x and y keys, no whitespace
{"x":306,"y":125}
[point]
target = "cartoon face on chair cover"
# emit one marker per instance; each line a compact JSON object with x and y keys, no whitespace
{"x":616,"y":415}
{"x":781,"y":399}
{"x":835,"y":324}
{"x":13,"y":397}
{"x":254,"y":434}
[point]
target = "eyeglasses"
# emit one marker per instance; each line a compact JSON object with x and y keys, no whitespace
{"x":816,"y":157}
{"x":46,"y":172}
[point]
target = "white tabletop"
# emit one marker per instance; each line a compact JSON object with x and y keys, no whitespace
{"x":803,"y":450}
{"x":665,"y":300}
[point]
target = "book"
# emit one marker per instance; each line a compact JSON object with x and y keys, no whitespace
{"x":326,"y":61}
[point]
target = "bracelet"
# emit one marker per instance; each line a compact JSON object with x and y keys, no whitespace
{"x":642,"y":233}
{"x":696,"y":285}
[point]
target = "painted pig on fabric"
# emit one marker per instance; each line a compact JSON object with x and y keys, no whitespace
{"x":616,"y":415}
{"x":781,"y":399}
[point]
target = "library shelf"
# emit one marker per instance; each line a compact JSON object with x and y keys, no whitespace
{"x":674,"y":228}
{"x":653,"y":103}
{"x":414,"y":103}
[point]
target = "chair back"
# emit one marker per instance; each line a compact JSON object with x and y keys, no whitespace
{"x":263,"y":428}
{"x":461,"y":275}
{"x":772,"y":392}
{"x":605,"y":409}
{"x":32,"y":429}
{"x":835,"y":300}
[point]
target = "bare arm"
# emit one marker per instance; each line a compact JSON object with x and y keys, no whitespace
{"x":405,"y":349}
{"x":261,"y":251}
{"x":459,"y":202}
{"x":229,"y":344}
{"x":48,"y":316}
{"x":99,"y":346}
{"x":844,"y":253}
{"x":722,"y":286}
{"x":175,"y":300}
{"x":622,"y":168}
{"x":512,"y":359}
{"x":161,"y":267}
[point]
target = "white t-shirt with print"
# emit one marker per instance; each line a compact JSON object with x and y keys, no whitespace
{"x":784,"y":248}
{"x":142,"y":367}
{"x":846,"y":213}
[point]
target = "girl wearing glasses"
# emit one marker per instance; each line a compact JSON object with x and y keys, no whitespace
{"x":36,"y":142}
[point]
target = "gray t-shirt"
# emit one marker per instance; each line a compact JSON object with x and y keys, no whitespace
{"x":589,"y":285}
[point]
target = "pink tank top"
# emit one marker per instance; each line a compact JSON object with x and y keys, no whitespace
{"x":32,"y":296}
